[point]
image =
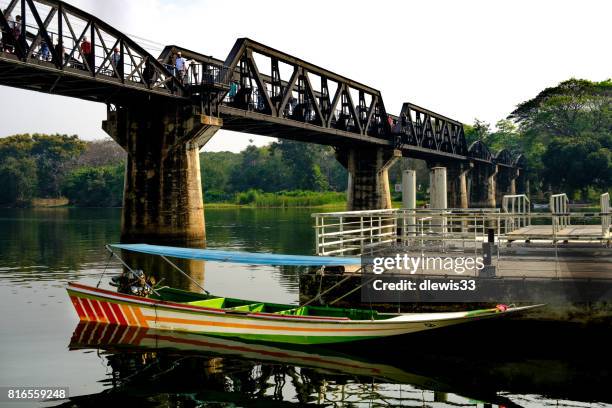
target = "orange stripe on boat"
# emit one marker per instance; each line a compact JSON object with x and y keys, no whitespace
{"x":142,"y":321}
{"x":118,"y":314}
{"x":258,"y":326}
{"x":78,"y":308}
{"x":128,"y":315}
{"x":109,"y":313}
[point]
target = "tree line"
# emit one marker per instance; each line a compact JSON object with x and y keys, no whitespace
{"x":565,"y":133}
{"x":91,"y":173}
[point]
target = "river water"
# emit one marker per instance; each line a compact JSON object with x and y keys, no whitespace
{"x":42,"y":345}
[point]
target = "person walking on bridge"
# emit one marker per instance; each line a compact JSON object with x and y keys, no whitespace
{"x":180,"y":65}
{"x":87,"y":53}
{"x":7,"y":40}
{"x":117,"y":61}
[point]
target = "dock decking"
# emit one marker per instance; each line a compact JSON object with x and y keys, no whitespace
{"x":570,"y":232}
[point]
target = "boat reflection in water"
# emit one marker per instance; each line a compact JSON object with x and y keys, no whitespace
{"x":152,"y":367}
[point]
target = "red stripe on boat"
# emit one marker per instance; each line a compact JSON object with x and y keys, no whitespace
{"x":78,"y":308}
{"x":109,"y":313}
{"x":98,"y":310}
{"x":88,"y":310}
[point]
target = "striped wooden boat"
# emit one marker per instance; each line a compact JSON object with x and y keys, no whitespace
{"x":178,"y":310}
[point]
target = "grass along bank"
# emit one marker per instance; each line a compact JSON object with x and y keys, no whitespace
{"x":297,"y":198}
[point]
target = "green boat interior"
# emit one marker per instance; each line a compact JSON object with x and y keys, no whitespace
{"x":232,"y":305}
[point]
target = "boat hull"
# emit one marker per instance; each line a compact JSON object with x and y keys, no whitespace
{"x":103,"y":306}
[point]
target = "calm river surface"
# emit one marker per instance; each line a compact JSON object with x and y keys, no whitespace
{"x":43,"y":249}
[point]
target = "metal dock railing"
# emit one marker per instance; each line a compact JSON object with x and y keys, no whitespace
{"x":362,"y":232}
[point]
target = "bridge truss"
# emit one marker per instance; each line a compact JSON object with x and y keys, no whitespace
{"x":256,"y":89}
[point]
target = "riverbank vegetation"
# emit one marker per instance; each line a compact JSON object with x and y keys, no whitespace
{"x":565,"y":133}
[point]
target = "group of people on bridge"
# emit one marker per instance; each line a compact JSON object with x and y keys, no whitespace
{"x":82,"y":57}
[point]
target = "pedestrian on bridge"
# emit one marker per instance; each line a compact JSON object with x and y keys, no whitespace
{"x":45,"y":53}
{"x":7,"y":40}
{"x":87,"y":53}
{"x":117,"y":61}
{"x":180,"y":65}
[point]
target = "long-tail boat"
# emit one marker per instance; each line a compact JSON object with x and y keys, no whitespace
{"x":165,"y":308}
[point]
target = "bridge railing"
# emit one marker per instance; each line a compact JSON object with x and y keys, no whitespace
{"x":207,"y":75}
{"x":57,"y":35}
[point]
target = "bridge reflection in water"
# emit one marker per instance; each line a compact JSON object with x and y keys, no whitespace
{"x":156,"y":368}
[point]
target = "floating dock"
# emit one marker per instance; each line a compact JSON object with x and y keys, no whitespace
{"x":560,"y":258}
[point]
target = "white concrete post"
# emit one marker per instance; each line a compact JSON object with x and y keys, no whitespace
{"x":437,"y":195}
{"x":409,"y":189}
{"x":437,"y":188}
{"x":409,"y":199}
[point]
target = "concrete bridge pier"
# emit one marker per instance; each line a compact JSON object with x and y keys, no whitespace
{"x":162,"y":200}
{"x":505,"y":182}
{"x":457,"y":185}
{"x":491,"y":187}
{"x":482,"y":186}
{"x":368,"y":182}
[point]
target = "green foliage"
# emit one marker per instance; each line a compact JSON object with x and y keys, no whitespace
{"x":567,"y":135}
{"x":303,"y":164}
{"x":18,"y":181}
{"x":95,"y":186}
{"x":55,"y":155}
{"x":577,"y":163}
{"x":476,"y":132}
{"x":282,"y":166}
{"x":259,"y":168}
{"x":295,"y":198}
{"x":215,"y":170}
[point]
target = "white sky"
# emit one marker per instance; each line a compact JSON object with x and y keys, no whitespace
{"x":463,"y":59}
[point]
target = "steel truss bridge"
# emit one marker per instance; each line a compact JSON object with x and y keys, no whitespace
{"x":256,"y":89}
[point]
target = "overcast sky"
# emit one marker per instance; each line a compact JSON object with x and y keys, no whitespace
{"x":463,"y":59}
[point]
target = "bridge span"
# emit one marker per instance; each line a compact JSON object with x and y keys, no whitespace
{"x":162,"y":117}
